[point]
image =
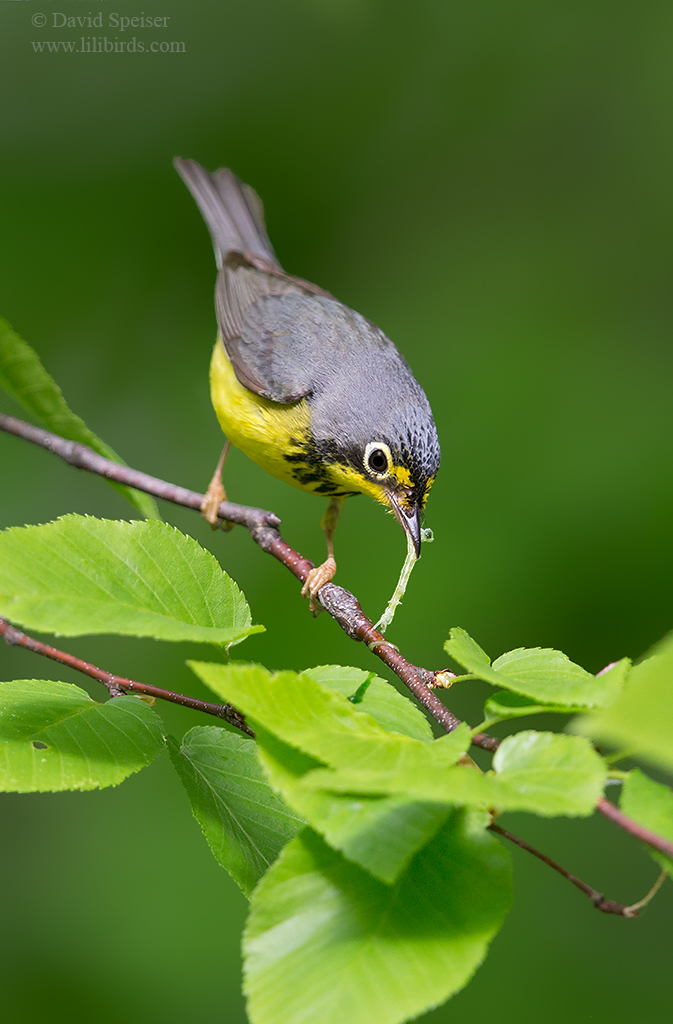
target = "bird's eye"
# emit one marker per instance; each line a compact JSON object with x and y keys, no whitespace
{"x":378,"y":461}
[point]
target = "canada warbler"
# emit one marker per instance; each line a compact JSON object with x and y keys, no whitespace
{"x":310,"y":390}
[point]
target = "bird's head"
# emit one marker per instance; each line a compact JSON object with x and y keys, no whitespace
{"x":375,"y":434}
{"x":396,"y":466}
{"x":400,"y":474}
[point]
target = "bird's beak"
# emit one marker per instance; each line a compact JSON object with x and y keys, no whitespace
{"x":409,"y":518}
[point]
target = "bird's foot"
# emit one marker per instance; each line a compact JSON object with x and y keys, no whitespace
{"x":211,"y":503}
{"x":316,"y":579}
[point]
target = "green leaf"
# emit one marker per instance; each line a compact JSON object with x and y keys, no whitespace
{"x":650,"y":804}
{"x":546,"y":675}
{"x":313,"y":718}
{"x":642,"y":716}
{"x":326,"y":942}
{"x":380,"y":833}
{"x":548,"y":773}
{"x":463,"y":785}
{"x":550,"y":676}
{"x":544,"y":773}
{"x":245,"y":822}
{"x":23,"y":376}
{"x":381,"y":701}
{"x":465,"y":650}
{"x":54,"y":737}
{"x":83,"y":575}
{"x":506,"y":704}
{"x":302,"y":723}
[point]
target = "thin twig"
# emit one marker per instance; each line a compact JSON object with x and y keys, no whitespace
{"x":618,"y":817}
{"x":117,"y":685}
{"x":82,"y":457}
{"x":596,"y":897}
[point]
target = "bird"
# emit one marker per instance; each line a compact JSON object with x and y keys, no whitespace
{"x":310,"y":390}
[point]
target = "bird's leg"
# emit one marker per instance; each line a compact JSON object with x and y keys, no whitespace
{"x":324,"y":573}
{"x":216,"y":494}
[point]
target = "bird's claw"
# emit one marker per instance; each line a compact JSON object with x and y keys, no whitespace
{"x":212,"y":500}
{"x":316,"y":579}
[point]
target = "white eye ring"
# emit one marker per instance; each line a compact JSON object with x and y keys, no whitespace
{"x":374,"y":450}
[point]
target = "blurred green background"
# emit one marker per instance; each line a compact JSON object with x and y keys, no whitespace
{"x":489,"y":182}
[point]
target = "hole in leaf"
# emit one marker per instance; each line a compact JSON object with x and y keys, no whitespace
{"x":39,"y":746}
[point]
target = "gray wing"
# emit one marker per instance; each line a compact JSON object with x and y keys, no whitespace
{"x":259,"y":347}
{"x":294,"y":344}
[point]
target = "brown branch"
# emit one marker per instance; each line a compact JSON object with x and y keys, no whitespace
{"x":117,"y":685}
{"x":596,"y":897}
{"x":82,"y":457}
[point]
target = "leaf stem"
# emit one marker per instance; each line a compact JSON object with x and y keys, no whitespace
{"x":620,"y":755}
{"x":486,"y":725}
{"x":117,"y":685}
{"x":651,"y":894}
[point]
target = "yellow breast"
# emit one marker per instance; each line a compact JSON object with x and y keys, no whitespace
{"x":266,"y":431}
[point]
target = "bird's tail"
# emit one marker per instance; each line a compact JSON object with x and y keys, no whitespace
{"x":232,"y":211}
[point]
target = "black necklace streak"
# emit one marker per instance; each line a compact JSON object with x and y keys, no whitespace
{"x":311,"y":461}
